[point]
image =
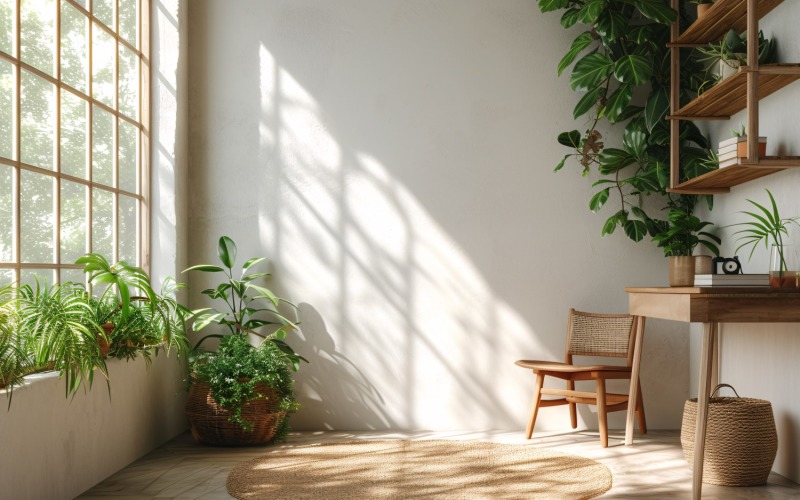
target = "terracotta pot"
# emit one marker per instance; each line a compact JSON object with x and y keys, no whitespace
{"x":681,"y":270}
{"x":103,"y":343}
{"x":702,"y":9}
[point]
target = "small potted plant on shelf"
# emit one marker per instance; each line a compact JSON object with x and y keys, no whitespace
{"x":241,"y":394}
{"x":730,"y":53}
{"x":702,"y":7}
{"x":769,"y":228}
{"x":678,"y":237}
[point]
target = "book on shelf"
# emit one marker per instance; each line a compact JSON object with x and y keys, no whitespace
{"x":733,"y":141}
{"x":731,"y":280}
{"x":729,"y":162}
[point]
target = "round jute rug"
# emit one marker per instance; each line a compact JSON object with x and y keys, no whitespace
{"x":418,"y":469}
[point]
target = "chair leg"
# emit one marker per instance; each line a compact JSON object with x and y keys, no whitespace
{"x":573,"y":416}
{"x":640,"y":409}
{"x":537,"y":396}
{"x":601,"y":412}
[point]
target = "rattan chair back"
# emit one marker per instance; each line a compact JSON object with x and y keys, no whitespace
{"x":592,"y":334}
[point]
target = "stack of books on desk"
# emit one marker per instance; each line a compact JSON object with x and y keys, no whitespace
{"x":731,"y":280}
{"x":731,"y":150}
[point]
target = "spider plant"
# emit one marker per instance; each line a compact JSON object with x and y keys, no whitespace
{"x":13,"y":362}
{"x":150,"y":325}
{"x":122,"y":278}
{"x":59,"y":332}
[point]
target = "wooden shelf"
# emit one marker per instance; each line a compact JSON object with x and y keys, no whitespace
{"x":729,"y":96}
{"x":724,"y":15}
{"x":720,"y":180}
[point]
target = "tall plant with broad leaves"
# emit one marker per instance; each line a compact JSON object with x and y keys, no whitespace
{"x":248,"y":307}
{"x":622,"y":68}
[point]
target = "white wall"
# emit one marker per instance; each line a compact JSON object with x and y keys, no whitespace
{"x":394,"y":160}
{"x":58,"y":448}
{"x":761,"y":360}
{"x":55,"y":448}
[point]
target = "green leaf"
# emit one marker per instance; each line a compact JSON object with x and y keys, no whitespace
{"x":578,"y":45}
{"x":551,"y":5}
{"x":227,"y":251}
{"x":635,"y":230}
{"x":264,"y":293}
{"x":612,"y":222}
{"x":591,"y":11}
{"x":611,"y":24}
{"x":205,"y":268}
{"x":634,"y":139}
{"x":204,"y":320}
{"x":629,"y":112}
{"x":598,"y":200}
{"x":570,"y":139}
{"x":657,"y":10}
{"x":587,"y":102}
{"x":252,"y":262}
{"x":641,"y":34}
{"x":618,"y":101}
{"x":561,"y":164}
{"x":633,"y":69}
{"x":613,"y":160}
{"x":662,"y":173}
{"x":590,"y":71}
{"x":657,"y":108}
{"x":569,"y":18}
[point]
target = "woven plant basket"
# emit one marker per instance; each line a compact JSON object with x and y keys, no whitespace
{"x":741,"y":441}
{"x":209,"y":422}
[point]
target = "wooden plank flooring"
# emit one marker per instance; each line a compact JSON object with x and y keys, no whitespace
{"x":653,"y":467}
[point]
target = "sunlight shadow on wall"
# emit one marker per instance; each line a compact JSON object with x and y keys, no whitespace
{"x":397,"y":310}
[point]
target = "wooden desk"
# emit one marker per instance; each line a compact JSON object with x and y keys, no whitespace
{"x":710,"y":306}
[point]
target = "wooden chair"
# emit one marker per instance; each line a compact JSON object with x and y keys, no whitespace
{"x":588,"y":334}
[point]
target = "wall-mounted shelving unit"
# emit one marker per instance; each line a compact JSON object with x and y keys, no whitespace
{"x":736,"y":93}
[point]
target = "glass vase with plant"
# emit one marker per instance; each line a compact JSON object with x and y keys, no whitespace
{"x":768,"y":227}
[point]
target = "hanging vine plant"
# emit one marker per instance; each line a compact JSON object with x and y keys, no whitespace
{"x":622,"y":68}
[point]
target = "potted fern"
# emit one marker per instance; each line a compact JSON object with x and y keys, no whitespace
{"x":241,"y":394}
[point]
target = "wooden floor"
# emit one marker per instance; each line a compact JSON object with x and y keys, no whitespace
{"x":653,"y":467}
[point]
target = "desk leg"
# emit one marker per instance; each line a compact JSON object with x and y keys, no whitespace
{"x":706,"y":365}
{"x":634,"y":390}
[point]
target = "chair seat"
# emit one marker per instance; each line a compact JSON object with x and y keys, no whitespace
{"x":555,"y":366}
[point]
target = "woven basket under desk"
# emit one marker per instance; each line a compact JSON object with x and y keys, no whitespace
{"x":741,"y":441}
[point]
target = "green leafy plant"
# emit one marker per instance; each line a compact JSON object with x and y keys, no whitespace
{"x":766,"y":227}
{"x":120,"y":279}
{"x":248,"y":307}
{"x":234,"y":370}
{"x":151,"y":324}
{"x":625,"y":54}
{"x":683,"y":233}
{"x":13,"y":361}
{"x":732,"y":51}
{"x":58,"y":331}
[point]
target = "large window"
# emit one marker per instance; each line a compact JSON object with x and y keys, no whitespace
{"x":73,"y":135}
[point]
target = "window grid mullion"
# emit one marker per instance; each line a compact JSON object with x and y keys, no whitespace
{"x":57,"y":155}
{"x":18,"y":146}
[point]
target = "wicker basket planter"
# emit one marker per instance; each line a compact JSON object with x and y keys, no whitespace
{"x":209,"y":422}
{"x":741,"y":441}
